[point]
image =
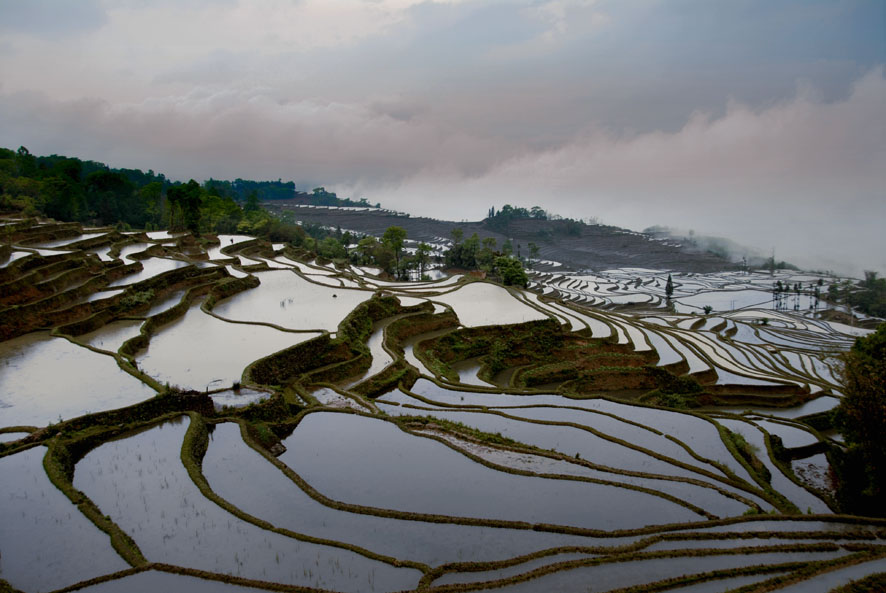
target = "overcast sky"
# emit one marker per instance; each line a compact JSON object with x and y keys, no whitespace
{"x":760,"y":120}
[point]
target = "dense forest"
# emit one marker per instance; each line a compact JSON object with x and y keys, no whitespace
{"x":89,"y":192}
{"x":71,"y":189}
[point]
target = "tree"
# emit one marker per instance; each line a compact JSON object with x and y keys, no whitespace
{"x":533,"y":252}
{"x":507,"y":247}
{"x":422,"y":256}
{"x":669,"y":287}
{"x":511,"y":271}
{"x":365,"y":249}
{"x":188,"y":197}
{"x":25,"y":162}
{"x":486,"y":255}
{"x":151,"y":196}
{"x":331,"y":248}
{"x":458,"y":236}
{"x":394,"y":237}
{"x":862,"y":414}
{"x":109,"y":197}
{"x":251,"y":202}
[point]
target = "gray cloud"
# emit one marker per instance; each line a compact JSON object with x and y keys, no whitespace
{"x":692,"y":114}
{"x":50,"y":18}
{"x":803,"y":176}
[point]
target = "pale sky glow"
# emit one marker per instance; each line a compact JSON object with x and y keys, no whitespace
{"x":760,"y":120}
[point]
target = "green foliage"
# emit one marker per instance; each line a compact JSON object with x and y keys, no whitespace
{"x":187,"y":199}
{"x":680,"y":392}
{"x":70,"y":189}
{"x":331,"y":248}
{"x":862,"y":417}
{"x":871,"y":584}
{"x":422,"y":257}
{"x":500,"y":220}
{"x":393,"y":238}
{"x":511,"y":271}
{"x":533,"y":252}
{"x":669,"y":287}
{"x":135,"y":300}
{"x":464,"y":254}
{"x":748,"y":453}
{"x":870,"y":296}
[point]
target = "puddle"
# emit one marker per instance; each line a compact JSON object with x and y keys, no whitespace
{"x":815,"y":471}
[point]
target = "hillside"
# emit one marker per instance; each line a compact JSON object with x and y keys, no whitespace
{"x":576,"y":246}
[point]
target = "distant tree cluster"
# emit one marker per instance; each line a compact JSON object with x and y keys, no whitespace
{"x":867,"y":296}
{"x":474,"y":254}
{"x":500,"y":220}
{"x":242,"y":189}
{"x":870,"y":297}
{"x":320,"y":197}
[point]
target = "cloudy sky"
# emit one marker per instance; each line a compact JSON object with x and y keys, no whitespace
{"x":760,"y":120}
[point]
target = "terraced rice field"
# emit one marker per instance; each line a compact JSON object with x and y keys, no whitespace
{"x":229,"y":417}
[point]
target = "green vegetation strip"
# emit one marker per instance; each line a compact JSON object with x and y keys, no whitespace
{"x":572,"y":478}
{"x":701,"y":471}
{"x":811,"y":570}
{"x":59,"y":465}
{"x":630,"y":557}
{"x":523,"y":448}
{"x":326,"y":359}
{"x":433,"y":518}
{"x":732,"y":476}
{"x":742,"y":451}
{"x":191,"y":572}
{"x":871,"y":584}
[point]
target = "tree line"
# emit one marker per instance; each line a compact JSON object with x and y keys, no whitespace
{"x":75,"y":190}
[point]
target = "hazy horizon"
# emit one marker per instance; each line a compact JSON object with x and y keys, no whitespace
{"x":762,"y":122}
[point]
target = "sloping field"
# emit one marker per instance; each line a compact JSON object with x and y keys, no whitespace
{"x":231,"y":418}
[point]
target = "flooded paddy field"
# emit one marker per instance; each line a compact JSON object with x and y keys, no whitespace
{"x":230,"y":417}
